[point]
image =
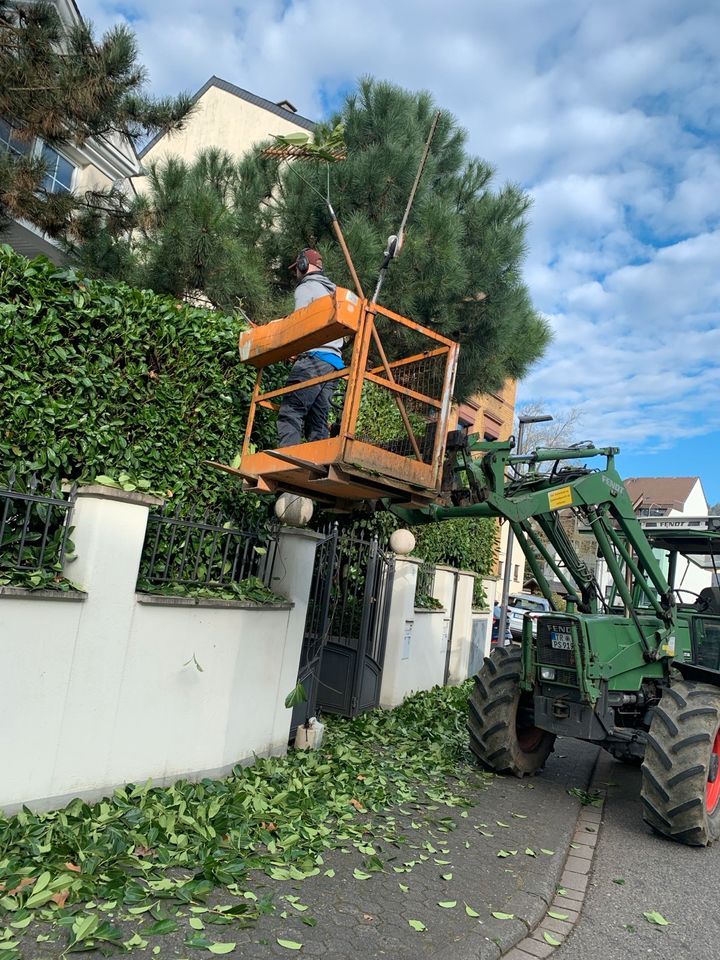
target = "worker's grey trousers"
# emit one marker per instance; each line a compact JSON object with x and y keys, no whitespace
{"x":304,"y":412}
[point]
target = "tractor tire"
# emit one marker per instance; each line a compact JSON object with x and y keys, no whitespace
{"x":680,"y":774}
{"x":503,"y":735}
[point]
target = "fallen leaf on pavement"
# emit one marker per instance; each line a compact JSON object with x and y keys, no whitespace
{"x":654,"y":917}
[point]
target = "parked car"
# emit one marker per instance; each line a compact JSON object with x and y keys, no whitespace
{"x":520,"y":604}
{"x":496,"y":626}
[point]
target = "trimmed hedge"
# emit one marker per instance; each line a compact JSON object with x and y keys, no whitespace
{"x":99,"y":378}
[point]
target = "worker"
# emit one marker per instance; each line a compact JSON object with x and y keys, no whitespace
{"x":304,"y":413}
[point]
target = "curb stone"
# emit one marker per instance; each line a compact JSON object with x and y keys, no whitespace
{"x":570,"y":895}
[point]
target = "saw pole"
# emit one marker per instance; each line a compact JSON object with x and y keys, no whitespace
{"x":395,"y":247}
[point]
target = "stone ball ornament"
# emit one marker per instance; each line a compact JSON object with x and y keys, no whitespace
{"x":402,"y":542}
{"x":294,"y":510}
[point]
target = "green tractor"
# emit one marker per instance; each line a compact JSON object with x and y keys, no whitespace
{"x":637,"y":672}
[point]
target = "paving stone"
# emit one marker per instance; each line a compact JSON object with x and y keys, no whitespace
{"x":535,"y":948}
{"x":537,"y":935}
{"x":574,"y":881}
{"x":583,"y":850}
{"x":568,"y":907}
{"x":583,"y":835}
{"x":556,"y":926}
{"x":516,"y":954}
{"x":576,"y":895}
{"x":577,"y":864}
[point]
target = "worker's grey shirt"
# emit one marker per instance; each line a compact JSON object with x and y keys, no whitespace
{"x":312,"y":287}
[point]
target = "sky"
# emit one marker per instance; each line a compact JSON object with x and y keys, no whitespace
{"x":607,"y":112}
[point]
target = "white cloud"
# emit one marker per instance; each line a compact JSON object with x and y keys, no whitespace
{"x":607,"y":112}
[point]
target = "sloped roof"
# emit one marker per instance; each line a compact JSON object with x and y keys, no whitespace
{"x":671,"y":492}
{"x":249,"y":98}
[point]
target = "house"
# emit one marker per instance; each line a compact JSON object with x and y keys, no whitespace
{"x":228,"y":117}
{"x":99,"y":164}
{"x":667,"y":496}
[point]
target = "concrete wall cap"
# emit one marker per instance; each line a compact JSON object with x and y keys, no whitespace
{"x":100,"y":492}
{"x":23,"y":593}
{"x":287,"y":531}
{"x":159,"y":600}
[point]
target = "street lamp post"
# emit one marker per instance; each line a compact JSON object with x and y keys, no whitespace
{"x":507,"y":569}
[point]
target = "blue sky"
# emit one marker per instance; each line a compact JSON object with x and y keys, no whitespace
{"x":608,"y":113}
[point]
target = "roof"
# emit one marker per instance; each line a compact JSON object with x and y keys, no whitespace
{"x":703,"y":546}
{"x":671,"y":492}
{"x":248,"y":98}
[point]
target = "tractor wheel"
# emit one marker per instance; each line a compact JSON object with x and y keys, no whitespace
{"x":503,"y":735}
{"x":680,"y":775}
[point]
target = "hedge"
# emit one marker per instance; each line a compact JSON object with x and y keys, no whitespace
{"x":99,"y":378}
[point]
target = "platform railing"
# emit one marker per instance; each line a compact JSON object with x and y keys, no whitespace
{"x":414,"y":390}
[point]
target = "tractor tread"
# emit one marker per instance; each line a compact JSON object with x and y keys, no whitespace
{"x":492,"y":717}
{"x":674,"y":772}
{"x":668,"y":721}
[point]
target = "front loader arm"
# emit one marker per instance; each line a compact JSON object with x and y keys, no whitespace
{"x":599,"y":496}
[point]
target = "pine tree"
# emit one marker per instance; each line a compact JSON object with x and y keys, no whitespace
{"x":198,"y":234}
{"x":460,"y":268}
{"x":229,"y":230}
{"x":63,"y":86}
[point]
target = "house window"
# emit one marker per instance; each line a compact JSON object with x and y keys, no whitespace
{"x":516,"y":572}
{"x":59,"y":176}
{"x":9,"y":141}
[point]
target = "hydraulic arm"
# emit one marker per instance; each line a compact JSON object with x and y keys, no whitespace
{"x":485,"y":479}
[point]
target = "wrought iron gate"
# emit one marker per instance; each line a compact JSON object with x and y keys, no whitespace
{"x":346,"y":627}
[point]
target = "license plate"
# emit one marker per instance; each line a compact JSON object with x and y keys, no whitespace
{"x":560,"y":641}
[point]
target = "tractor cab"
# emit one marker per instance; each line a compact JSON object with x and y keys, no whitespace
{"x":389,"y":437}
{"x":689,"y":548}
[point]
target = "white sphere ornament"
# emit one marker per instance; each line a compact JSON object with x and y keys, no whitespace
{"x":402,"y":542}
{"x":294,"y":510}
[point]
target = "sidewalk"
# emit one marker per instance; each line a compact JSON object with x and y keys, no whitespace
{"x":370,"y":918}
{"x":423,"y":880}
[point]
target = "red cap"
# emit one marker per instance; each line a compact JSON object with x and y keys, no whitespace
{"x":311,"y":255}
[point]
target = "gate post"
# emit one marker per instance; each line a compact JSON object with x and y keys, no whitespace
{"x":294,"y":563}
{"x":401,"y":619}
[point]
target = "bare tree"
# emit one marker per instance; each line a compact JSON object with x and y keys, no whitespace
{"x":561,"y":431}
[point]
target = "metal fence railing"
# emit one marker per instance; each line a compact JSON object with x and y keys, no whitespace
{"x":34,"y":527}
{"x":192,"y":549}
{"x":425,"y":585}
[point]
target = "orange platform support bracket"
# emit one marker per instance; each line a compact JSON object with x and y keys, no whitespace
{"x":389,"y":437}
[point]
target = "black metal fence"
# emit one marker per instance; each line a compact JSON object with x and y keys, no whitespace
{"x":346,"y":627}
{"x":184,"y":546}
{"x":425,"y":585}
{"x":34,"y":529}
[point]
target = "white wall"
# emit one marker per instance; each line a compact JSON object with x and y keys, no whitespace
{"x":417,"y":643}
{"x":103,"y":690}
{"x":220,"y":119}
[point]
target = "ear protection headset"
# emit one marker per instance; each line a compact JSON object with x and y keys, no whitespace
{"x":302,"y":263}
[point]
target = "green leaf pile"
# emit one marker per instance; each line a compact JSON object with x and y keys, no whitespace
{"x":143,"y":852}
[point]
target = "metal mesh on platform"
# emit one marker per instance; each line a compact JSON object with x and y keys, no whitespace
{"x":380,"y":422}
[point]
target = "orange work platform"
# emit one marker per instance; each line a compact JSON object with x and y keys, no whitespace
{"x":389,"y":441}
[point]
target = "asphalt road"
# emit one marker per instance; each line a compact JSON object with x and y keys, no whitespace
{"x":681,"y":883}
